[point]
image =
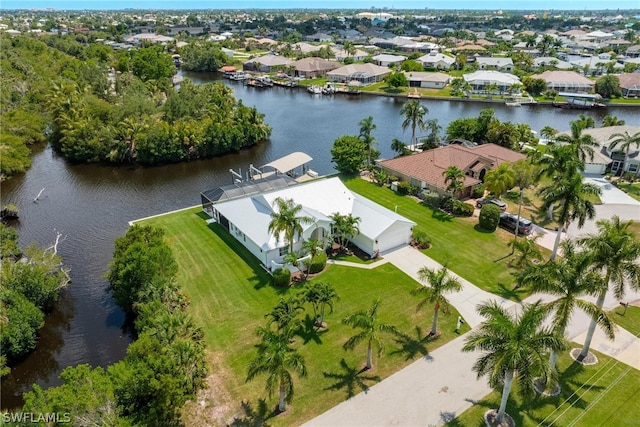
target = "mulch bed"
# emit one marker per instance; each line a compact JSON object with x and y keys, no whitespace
{"x":591,"y":358}
{"x":490,"y":419}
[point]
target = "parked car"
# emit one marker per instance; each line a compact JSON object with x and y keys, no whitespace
{"x":499,"y":203}
{"x":509,"y":222}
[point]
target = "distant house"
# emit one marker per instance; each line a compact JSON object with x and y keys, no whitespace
{"x":304,"y":48}
{"x":566,"y":81}
{"x":633,"y":51}
{"x":340,"y":54}
{"x":247,"y":218}
{"x":436,"y":60}
{"x":479,"y":80}
{"x":363,"y":73}
{"x":267,"y":63}
{"x":550,"y":61}
{"x":384,"y":60}
{"x":491,"y":63}
{"x":596,"y":65}
{"x":630,"y":85}
{"x":313,"y":67}
{"x":319,"y":37}
{"x":425,"y":170}
{"x":427,"y":80}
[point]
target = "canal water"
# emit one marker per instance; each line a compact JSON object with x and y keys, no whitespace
{"x":91,"y":205}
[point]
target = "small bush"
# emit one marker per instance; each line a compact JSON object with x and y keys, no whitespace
{"x":281,"y":277}
{"x":404,"y":188}
{"x":421,"y":240}
{"x":318,"y":263}
{"x":431,"y":199}
{"x":478,"y":191}
{"x":393,"y":178}
{"x":489,"y":217}
{"x":462,"y":208}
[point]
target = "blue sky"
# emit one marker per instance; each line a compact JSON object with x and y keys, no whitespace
{"x":328,"y":4}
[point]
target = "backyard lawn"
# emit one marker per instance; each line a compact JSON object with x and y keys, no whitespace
{"x":631,"y":189}
{"x":230,"y":295}
{"x":604,"y":394}
{"x":629,"y":321}
{"x":478,"y":256}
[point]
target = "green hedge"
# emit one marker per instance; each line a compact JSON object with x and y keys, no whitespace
{"x":281,"y":277}
{"x":462,"y":208}
{"x":489,"y":217}
{"x":318,"y":263}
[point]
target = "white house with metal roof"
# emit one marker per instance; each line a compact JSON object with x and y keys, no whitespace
{"x":247,"y":219}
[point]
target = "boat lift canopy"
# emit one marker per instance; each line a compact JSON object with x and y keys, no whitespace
{"x":579,"y":95}
{"x":289,"y":162}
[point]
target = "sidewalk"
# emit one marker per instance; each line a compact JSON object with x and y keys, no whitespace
{"x":437,"y":388}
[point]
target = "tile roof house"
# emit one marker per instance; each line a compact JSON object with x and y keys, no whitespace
{"x":267,"y":63}
{"x":566,"y":81}
{"x":425,"y":170}
{"x":313,"y":67}
{"x":630,"y":85}
{"x":363,"y":73}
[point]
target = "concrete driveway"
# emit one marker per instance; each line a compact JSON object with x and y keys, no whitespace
{"x":612,"y":194}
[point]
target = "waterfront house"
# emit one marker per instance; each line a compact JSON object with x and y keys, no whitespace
{"x":427,"y":80}
{"x":630,"y":85}
{"x":364,"y":73}
{"x":565,"y":81}
{"x":480,"y":80}
{"x":313,"y":67}
{"x":247,"y":218}
{"x":266,"y":64}
{"x":425,"y":170}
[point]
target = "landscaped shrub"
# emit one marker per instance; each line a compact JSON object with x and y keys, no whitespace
{"x":281,"y":277}
{"x":421,"y":240}
{"x":462,"y":208}
{"x":489,"y":217}
{"x":404,"y":188}
{"x":318,"y":263}
{"x":393,"y":178}
{"x":478,"y":191}
{"x":431,"y":199}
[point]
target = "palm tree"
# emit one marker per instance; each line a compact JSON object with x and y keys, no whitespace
{"x":572,"y":195}
{"x":321,"y":295}
{"x":434,"y":130}
{"x":527,"y":249}
{"x":615,"y":252}
{"x":413,"y":114}
{"x":583,"y":145}
{"x":345,"y":227}
{"x":500,"y":179}
{"x":513,"y":348}
{"x":454,"y":178}
{"x":366,"y":127}
{"x":626,"y":142}
{"x":611,"y":121}
{"x":285,"y":220}
{"x":285,"y":312}
{"x":524,"y":176}
{"x":548,"y":133}
{"x":585,"y":122}
{"x":568,"y":279}
{"x":371,"y":329}
{"x":491,"y":89}
{"x":277,"y":359}
{"x":440,"y":283}
{"x":399,"y":147}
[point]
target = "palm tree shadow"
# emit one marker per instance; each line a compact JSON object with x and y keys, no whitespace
{"x":351,"y":379}
{"x":511,"y":293}
{"x":309,"y":332}
{"x":440,"y":215}
{"x":412,"y":346}
{"x":253,"y":417}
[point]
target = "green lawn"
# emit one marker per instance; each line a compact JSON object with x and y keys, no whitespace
{"x":631,"y":319}
{"x":631,"y":189}
{"x":604,"y":394}
{"x":478,"y":256}
{"x":230,"y":294}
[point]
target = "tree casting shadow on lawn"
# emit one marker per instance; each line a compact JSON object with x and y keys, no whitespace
{"x":349,"y":379}
{"x":412,"y":346}
{"x":308,"y":331}
{"x":254,"y":417}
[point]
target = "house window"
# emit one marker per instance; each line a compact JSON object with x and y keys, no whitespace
{"x":283,"y":250}
{"x":633,"y":167}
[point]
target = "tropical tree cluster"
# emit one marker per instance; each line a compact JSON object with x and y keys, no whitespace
{"x":487,"y":128}
{"x":202,"y":56}
{"x":29,"y":285}
{"x":163,"y":368}
{"x":352,"y":153}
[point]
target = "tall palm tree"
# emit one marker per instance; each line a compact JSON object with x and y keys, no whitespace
{"x":527,"y":251}
{"x":345,"y":227}
{"x":399,"y":147}
{"x":583,"y":145}
{"x":434,"y":132}
{"x":615,"y":252}
{"x":548,"y":133}
{"x":585,"y":122}
{"x":454,"y":178}
{"x":439,"y":283}
{"x":573,"y":197}
{"x":371,"y":328}
{"x":366,"y":128}
{"x":286,"y":219}
{"x":500,"y":179}
{"x":524,"y":176}
{"x":413,"y":114}
{"x":626,"y":141}
{"x":277,"y":359}
{"x":513,"y":348}
{"x":568,"y":279}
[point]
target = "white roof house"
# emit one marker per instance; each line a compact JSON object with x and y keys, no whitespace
{"x":491,"y":63}
{"x":437,"y":60}
{"x":481,"y":79}
{"x":247,"y":219}
{"x":384,"y":59}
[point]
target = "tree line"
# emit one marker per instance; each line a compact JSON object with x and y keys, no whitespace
{"x":163,"y":367}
